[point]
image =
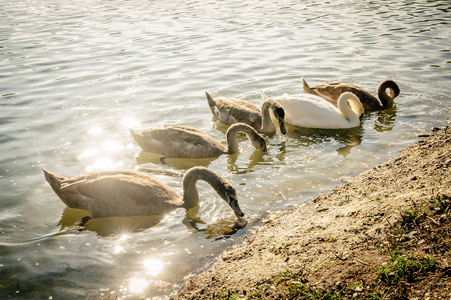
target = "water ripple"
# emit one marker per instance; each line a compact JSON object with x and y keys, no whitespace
{"x":74,"y":74}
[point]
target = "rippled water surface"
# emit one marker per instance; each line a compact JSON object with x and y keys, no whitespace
{"x":75,"y":75}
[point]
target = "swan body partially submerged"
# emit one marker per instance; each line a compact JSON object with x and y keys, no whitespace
{"x":188,"y":142}
{"x":230,"y":111}
{"x":128,"y":193}
{"x":311,"y":111}
{"x":332,"y":91}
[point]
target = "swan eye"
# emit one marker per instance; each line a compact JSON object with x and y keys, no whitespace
{"x":231,"y":198}
{"x":234,"y":205}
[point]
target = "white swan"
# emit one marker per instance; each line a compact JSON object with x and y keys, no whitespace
{"x":188,"y":142}
{"x":311,"y":111}
{"x":230,"y":111}
{"x":129,"y":193}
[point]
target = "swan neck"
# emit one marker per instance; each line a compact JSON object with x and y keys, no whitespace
{"x":233,"y":130}
{"x":385,"y":99}
{"x":345,"y":110}
{"x":190,"y":192}
{"x":267,"y":124}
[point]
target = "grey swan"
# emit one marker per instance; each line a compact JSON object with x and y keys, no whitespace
{"x":332,"y":91}
{"x":230,"y":111}
{"x":123,"y":193}
{"x":188,"y":142}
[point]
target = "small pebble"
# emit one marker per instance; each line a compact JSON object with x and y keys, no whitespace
{"x":240,"y":223}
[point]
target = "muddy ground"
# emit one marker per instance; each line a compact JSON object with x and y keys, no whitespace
{"x":383,"y":235}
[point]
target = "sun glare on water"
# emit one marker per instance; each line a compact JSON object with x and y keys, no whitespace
{"x":95,"y":130}
{"x":137,"y":285}
{"x":130,"y":123}
{"x":105,"y":164}
{"x":153,"y":267}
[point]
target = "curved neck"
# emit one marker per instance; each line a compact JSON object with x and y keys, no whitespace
{"x":232,"y":143}
{"x":386,"y":100}
{"x":267,"y":124}
{"x":357,"y":107}
{"x":190,"y":193}
{"x":345,"y":110}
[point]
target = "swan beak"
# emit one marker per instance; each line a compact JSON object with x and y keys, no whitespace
{"x":236,"y":208}
{"x":282,"y":127}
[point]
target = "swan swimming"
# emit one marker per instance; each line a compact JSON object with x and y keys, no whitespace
{"x":311,"y":111}
{"x":230,"y":111}
{"x":129,"y":193}
{"x":332,"y":91}
{"x":188,"y":142}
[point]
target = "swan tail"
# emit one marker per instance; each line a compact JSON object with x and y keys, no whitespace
{"x":306,"y":87}
{"x":136,"y":134}
{"x":53,"y":179}
{"x":211,"y":100}
{"x":264,"y":97}
{"x":213,"y":105}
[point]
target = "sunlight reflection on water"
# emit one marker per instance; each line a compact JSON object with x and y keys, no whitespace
{"x":105,"y":164}
{"x":77,"y":75}
{"x":153,"y":266}
{"x":130,"y":123}
{"x":137,"y":285}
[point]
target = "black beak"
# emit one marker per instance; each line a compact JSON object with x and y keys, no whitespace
{"x":282,"y":127}
{"x":234,"y":205}
{"x":240,"y":214}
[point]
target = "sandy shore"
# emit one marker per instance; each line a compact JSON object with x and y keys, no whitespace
{"x":383,"y":235}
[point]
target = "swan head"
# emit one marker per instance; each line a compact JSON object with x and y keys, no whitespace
{"x":354,"y":103}
{"x":279,"y":113}
{"x":228,"y":194}
{"x":258,"y":141}
{"x":222,"y":187}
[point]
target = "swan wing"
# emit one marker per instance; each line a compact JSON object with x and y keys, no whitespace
{"x":328,"y":91}
{"x":231,"y":111}
{"x":332,"y":91}
{"x":119,"y":193}
{"x":179,"y":141}
{"x":186,"y":128}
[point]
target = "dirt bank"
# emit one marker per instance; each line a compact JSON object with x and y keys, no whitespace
{"x":383,"y":235}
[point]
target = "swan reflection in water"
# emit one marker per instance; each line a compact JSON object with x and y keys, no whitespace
{"x":147,"y":160}
{"x":255,"y":158}
{"x":385,"y":120}
{"x":220,"y":228}
{"x":348,"y":138}
{"x":72,"y":217}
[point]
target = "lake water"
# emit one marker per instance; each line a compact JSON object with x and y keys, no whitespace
{"x":75,"y":75}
